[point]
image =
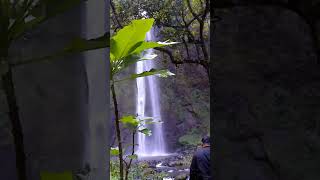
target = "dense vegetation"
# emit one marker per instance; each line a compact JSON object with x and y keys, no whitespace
{"x":185,"y":97}
{"x":126,"y":47}
{"x":186,"y":22}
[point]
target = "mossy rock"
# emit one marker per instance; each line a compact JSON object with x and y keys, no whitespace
{"x":190,"y":139}
{"x":181,"y":177}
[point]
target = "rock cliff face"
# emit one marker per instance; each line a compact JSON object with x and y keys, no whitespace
{"x":184,"y":100}
{"x":266,"y":96}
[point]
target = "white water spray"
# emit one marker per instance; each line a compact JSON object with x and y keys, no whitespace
{"x":147,"y":105}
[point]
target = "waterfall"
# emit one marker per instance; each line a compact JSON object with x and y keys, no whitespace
{"x":147,"y":105}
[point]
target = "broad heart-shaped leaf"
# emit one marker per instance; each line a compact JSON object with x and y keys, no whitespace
{"x":56,"y":176}
{"x":130,"y":121}
{"x":129,"y":38}
{"x":146,"y":119}
{"x":114,"y":151}
{"x":158,"y":72}
{"x":117,"y":66}
{"x":146,"y":131}
{"x":148,"y":45}
{"x":133,"y":156}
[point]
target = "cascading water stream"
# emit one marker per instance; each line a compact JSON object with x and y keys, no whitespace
{"x":147,"y":105}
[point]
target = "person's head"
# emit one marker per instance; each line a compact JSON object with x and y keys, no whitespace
{"x":205,"y":140}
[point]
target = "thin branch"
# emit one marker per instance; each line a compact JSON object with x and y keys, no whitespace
{"x":192,"y":12}
{"x":115,"y":14}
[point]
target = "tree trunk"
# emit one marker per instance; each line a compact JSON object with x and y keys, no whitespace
{"x":118,"y":131}
{"x":17,"y":133}
{"x":132,"y":153}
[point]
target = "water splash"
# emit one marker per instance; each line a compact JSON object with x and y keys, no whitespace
{"x":148,"y":104}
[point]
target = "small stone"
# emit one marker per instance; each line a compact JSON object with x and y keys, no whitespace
{"x":181,"y":177}
{"x":175,"y":163}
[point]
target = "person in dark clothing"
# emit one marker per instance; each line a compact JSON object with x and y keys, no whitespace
{"x":200,"y":165}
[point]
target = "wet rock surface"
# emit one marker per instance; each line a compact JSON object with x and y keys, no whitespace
{"x":176,"y":166}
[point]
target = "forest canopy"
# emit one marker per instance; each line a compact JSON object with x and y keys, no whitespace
{"x":185,"y":21}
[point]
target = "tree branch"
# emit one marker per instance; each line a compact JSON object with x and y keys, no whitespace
{"x":115,"y":14}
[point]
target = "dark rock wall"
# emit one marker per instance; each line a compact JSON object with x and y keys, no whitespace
{"x":265,"y":96}
{"x":184,"y":101}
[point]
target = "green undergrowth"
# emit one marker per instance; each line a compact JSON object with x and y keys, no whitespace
{"x":139,"y":171}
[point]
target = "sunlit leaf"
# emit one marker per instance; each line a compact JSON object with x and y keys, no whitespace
{"x":114,"y":151}
{"x":128,"y":44}
{"x":133,"y":156}
{"x":146,"y":131}
{"x":146,"y":119}
{"x":129,"y":37}
{"x":130,"y":121}
{"x":148,"y":57}
{"x":148,"y":45}
{"x":158,"y":72}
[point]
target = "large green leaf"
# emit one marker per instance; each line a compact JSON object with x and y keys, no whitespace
{"x":127,"y":45}
{"x":158,"y":72}
{"x":134,"y":156}
{"x":117,"y":66}
{"x":129,"y":38}
{"x":56,"y":176}
{"x":114,"y":151}
{"x":148,"y":45}
{"x":130,"y":121}
{"x":146,"y":131}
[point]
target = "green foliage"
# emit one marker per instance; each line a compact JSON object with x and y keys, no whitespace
{"x":134,"y":156}
{"x":133,"y":124}
{"x":56,"y":176}
{"x":114,"y":151}
{"x":114,"y":170}
{"x":191,"y":138}
{"x":125,"y":50}
{"x":141,"y":170}
{"x":130,"y":122}
{"x":159,"y":72}
{"x":146,"y":131}
{"x":129,"y":38}
{"x":127,"y":45}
